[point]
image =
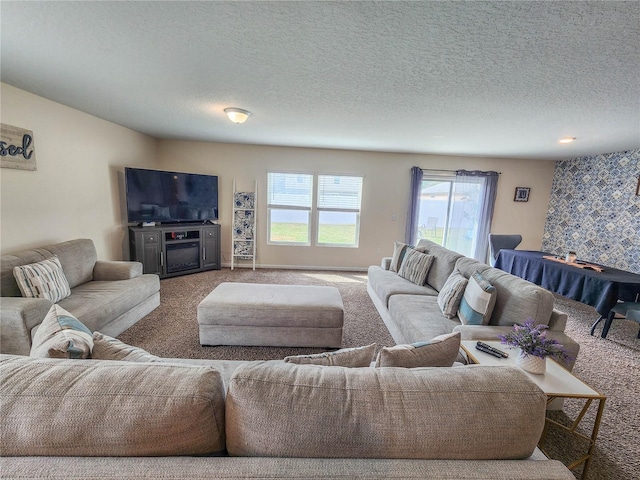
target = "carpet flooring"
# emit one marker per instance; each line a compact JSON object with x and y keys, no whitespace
{"x":609,"y":365}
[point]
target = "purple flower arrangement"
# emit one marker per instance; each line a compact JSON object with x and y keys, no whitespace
{"x":532,"y":340}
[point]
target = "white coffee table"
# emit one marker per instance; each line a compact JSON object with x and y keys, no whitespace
{"x":556,"y":382}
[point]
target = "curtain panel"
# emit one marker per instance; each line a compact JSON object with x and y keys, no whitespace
{"x":414,"y":206}
{"x":487,"y":204}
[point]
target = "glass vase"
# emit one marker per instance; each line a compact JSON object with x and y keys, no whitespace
{"x":531,"y":363}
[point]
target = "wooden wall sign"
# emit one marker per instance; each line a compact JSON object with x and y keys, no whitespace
{"x":16,"y":148}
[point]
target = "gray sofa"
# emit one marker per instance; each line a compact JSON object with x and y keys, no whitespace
{"x":412,"y":314}
{"x":268,"y":420}
{"x":106,"y":296}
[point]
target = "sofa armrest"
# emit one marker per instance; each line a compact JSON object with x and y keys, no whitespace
{"x":385,"y":263}
{"x":18,"y":315}
{"x":558,"y":321}
{"x":116,"y":270}
{"x":490,"y":333}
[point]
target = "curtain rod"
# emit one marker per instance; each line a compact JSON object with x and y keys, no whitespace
{"x":446,"y":171}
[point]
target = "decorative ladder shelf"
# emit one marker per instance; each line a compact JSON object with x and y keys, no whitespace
{"x":243,"y":230}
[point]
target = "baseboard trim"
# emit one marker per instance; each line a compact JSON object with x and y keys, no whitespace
{"x":298,"y":267}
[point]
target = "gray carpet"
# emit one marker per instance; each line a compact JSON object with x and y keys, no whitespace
{"x":609,"y":365}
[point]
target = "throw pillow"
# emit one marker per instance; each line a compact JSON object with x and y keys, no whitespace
{"x":441,"y":351}
{"x":61,"y":335}
{"x":44,"y":279}
{"x":451,"y":294}
{"x":415,"y":266}
{"x":347,"y":357}
{"x":399,"y":251}
{"x":109,"y":348}
{"x":477,"y":302}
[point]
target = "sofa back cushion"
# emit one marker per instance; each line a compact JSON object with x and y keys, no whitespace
{"x":517,"y":299}
{"x":77,"y":257}
{"x":8,"y":284}
{"x":288,"y":410}
{"x":109,"y":408}
{"x":443,"y":263}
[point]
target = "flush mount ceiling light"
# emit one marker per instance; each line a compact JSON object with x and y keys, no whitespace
{"x":237,"y":115}
{"x":566,"y":140}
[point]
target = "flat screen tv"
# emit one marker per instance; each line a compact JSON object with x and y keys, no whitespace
{"x":170,"y":197}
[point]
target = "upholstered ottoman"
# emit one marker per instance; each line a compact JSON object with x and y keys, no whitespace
{"x":253,"y":314}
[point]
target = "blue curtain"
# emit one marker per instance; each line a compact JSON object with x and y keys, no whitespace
{"x":487,"y":202}
{"x":414,"y":206}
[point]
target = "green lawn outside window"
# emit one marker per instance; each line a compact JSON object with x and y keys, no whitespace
{"x":328,"y":234}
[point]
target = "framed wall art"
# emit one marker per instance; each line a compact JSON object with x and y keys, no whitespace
{"x":522,"y":194}
{"x":16,"y":148}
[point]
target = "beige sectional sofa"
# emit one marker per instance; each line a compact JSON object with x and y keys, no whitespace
{"x":106,"y":296}
{"x":412,"y":314}
{"x":119,"y":419}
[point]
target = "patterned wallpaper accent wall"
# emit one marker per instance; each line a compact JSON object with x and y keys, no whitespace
{"x":594,"y":210}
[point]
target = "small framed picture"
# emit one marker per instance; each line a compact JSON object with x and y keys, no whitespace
{"x":522,"y":194}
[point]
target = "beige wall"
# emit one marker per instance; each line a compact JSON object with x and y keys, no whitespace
{"x":385,"y":194}
{"x":74,"y":192}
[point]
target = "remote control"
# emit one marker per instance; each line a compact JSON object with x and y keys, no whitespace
{"x":493,"y":349}
{"x":486,"y":350}
{"x":483,"y":347}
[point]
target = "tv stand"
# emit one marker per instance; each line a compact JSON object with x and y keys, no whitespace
{"x":172,"y":250}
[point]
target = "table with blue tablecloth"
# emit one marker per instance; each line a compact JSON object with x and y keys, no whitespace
{"x":600,"y":289}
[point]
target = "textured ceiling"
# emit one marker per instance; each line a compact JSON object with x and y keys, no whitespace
{"x":496,"y":78}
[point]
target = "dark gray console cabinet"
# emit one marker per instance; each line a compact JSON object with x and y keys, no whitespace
{"x":174,"y":250}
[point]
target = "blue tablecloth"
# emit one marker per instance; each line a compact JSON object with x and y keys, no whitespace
{"x":601,"y":290}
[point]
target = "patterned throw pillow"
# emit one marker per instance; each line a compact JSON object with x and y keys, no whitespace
{"x":61,"y":335}
{"x":399,"y":251}
{"x":477,"y":302}
{"x":415,"y":266}
{"x":44,"y":279}
{"x":109,"y":348}
{"x":347,"y":357}
{"x":451,"y":294}
{"x":441,"y":351}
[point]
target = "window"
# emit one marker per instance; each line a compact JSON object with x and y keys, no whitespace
{"x":338,"y":206}
{"x":289,"y":199}
{"x":331,"y":217}
{"x":455,"y":210}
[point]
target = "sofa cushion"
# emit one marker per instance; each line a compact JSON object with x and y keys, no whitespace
{"x":518,"y":300}
{"x":386,"y":283}
{"x":61,"y":335}
{"x":346,"y":357}
{"x":441,"y":351}
{"x":451,"y":294}
{"x":8,"y":284}
{"x":468,"y":266}
{"x":415,"y":266}
{"x":102,"y":408}
{"x":109,"y":348}
{"x":43,"y":279}
{"x":443,"y":264}
{"x":96,"y":303}
{"x":419,"y":318}
{"x":409,"y":413}
{"x":478,"y":301}
{"x":399,"y":251}
{"x":78,"y":257}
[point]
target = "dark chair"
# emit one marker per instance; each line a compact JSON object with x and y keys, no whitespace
{"x":498,"y":242}
{"x":628,"y":310}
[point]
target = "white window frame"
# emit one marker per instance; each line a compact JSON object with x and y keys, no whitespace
{"x":272,"y":206}
{"x":319,"y":209}
{"x":313,"y":211}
